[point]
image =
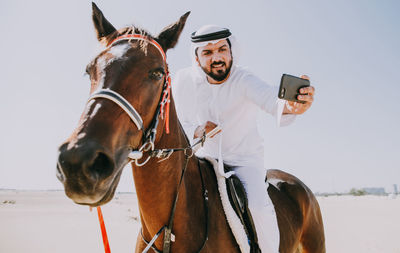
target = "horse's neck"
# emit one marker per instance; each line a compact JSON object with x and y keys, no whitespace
{"x":156,"y":183}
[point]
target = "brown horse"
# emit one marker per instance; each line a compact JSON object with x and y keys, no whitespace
{"x":109,"y":136}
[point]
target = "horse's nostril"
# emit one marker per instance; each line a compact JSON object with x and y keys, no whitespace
{"x":102,"y":166}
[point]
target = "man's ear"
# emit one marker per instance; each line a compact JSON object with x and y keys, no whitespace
{"x":197,"y":60}
{"x":101,"y":24}
{"x":169,"y":36}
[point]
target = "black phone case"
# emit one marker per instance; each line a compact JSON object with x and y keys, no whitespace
{"x":290,"y":86}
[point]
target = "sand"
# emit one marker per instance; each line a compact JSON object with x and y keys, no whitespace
{"x":50,"y":222}
{"x":362,"y":224}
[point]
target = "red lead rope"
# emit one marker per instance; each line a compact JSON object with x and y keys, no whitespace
{"x":103,"y":231}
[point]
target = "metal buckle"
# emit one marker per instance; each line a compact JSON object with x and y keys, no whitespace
{"x":164,"y":153}
{"x":136,"y":155}
{"x":188,"y":155}
{"x":147,"y":146}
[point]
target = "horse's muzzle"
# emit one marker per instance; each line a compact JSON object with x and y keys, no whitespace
{"x":86,"y":170}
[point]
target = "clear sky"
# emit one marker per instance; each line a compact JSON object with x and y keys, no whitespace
{"x":350,"y":49}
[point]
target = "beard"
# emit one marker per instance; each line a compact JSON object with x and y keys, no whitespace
{"x":220,"y":74}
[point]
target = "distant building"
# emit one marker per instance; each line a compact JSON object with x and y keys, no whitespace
{"x":374,"y":190}
{"x":395,"y":191}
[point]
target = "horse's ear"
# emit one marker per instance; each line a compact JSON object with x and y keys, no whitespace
{"x":169,"y":36}
{"x":101,"y":24}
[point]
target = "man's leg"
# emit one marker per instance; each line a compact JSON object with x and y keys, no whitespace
{"x":261,"y":207}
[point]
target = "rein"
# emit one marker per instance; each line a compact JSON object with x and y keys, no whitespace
{"x":148,"y":146}
{"x":168,"y":236}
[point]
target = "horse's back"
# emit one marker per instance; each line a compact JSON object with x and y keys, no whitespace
{"x":298,"y":213}
{"x":299,"y":216}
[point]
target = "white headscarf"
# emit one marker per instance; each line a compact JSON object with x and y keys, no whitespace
{"x":235,"y":49}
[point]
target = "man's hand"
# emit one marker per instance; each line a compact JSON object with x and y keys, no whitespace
{"x":205,"y":128}
{"x":306,"y":95}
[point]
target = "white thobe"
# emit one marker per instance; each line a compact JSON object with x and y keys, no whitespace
{"x":234,"y":106}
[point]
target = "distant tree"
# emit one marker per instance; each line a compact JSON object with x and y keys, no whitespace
{"x":357,"y":192}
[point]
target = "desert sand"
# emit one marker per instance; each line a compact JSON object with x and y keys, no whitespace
{"x":50,"y":222}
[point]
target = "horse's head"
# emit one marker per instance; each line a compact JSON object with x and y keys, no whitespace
{"x":130,"y":70}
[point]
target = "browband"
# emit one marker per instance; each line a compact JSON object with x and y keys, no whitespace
{"x":138,"y":37}
{"x":225,"y":33}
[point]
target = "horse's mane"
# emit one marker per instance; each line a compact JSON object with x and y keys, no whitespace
{"x":130,"y":30}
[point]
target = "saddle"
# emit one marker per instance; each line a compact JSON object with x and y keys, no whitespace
{"x":238,"y":199}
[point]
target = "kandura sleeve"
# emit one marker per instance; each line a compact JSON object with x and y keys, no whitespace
{"x":185,"y":105}
{"x":266,"y":97}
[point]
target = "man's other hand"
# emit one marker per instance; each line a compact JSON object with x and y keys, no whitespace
{"x":205,"y":128}
{"x":306,"y":95}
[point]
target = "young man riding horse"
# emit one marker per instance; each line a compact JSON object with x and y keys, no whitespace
{"x":215,"y":91}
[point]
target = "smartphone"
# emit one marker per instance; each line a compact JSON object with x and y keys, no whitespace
{"x":290,"y":86}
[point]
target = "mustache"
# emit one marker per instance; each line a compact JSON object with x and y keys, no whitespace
{"x":217,"y":63}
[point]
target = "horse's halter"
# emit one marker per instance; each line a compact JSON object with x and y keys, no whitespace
{"x":150,"y":134}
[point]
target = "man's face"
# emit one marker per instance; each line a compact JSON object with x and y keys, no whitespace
{"x":215,"y":60}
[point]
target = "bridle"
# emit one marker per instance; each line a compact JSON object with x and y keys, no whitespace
{"x":163,"y":106}
{"x":148,"y":139}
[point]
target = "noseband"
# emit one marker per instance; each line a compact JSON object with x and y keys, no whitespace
{"x":150,"y":134}
{"x":121,"y":102}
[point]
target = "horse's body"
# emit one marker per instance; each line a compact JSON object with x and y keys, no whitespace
{"x":91,"y":161}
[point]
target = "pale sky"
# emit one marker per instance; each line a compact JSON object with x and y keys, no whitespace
{"x":350,"y":49}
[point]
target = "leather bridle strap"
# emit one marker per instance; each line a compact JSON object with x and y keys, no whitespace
{"x":163,"y":107}
{"x":117,"y":98}
{"x":168,"y":229}
{"x":138,"y":37}
{"x":121,"y":102}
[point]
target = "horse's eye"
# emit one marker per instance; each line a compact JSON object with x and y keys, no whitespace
{"x":156,"y":74}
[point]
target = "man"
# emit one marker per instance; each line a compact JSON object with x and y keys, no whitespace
{"x":215,"y":91}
